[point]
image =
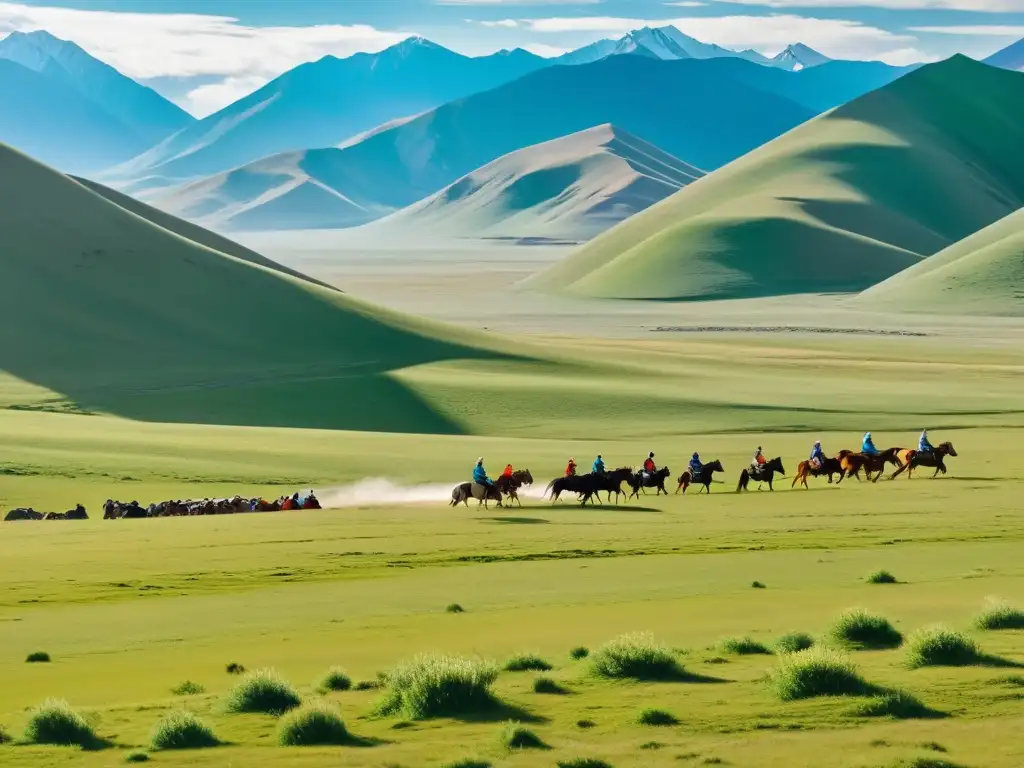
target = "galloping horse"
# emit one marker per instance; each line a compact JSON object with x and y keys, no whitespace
{"x":510,"y":485}
{"x":831,"y":466}
{"x":582,"y":485}
{"x":482,"y":493}
{"x":707,"y":477}
{"x":641,"y":480}
{"x":852,"y":463}
{"x":911,"y":460}
{"x":609,"y":482}
{"x":768,"y":470}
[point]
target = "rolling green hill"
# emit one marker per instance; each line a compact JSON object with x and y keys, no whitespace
{"x":981,"y":275}
{"x":836,"y":205}
{"x":119,"y":315}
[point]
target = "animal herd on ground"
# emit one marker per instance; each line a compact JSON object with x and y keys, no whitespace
{"x":115,"y":510}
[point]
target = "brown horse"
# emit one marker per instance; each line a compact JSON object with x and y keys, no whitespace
{"x":911,"y":460}
{"x":706,"y":478}
{"x":463,"y":492}
{"x":852,"y":463}
{"x":767,"y":472}
{"x":831,"y":466}
{"x":510,"y":485}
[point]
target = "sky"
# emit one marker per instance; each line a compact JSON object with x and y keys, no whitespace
{"x":204,"y":54}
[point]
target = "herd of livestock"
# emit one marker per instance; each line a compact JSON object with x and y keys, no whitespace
{"x":114,"y":510}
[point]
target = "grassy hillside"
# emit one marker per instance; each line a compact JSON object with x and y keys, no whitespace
{"x":982,"y":275}
{"x":838,"y":204}
{"x":120,"y":315}
{"x":571,"y":188}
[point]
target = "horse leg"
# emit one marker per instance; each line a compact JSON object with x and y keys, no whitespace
{"x":770,"y":481}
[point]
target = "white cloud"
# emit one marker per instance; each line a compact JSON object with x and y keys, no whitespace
{"x":507,"y":23}
{"x":547,"y":51}
{"x":837,"y":38}
{"x":207,"y":99}
{"x":687,"y":4}
{"x":149,"y":45}
{"x":979,"y":6}
{"x":981,"y":31}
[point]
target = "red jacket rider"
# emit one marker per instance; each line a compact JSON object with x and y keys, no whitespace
{"x":570,"y":469}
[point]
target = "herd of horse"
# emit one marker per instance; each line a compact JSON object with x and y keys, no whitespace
{"x":505,"y":490}
{"x":116,"y":510}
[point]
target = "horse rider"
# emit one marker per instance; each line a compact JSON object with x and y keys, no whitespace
{"x":649,"y":466}
{"x":757,"y":462}
{"x":924,"y":444}
{"x":598,"y":468}
{"x":570,"y":468}
{"x":508,"y":471}
{"x":696,"y":466}
{"x":480,"y":474}
{"x":868,"y":446}
{"x":817,"y":455}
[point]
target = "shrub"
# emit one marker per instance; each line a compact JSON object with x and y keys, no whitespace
{"x":583,"y":762}
{"x":182,"y":730}
{"x":757,"y":585}
{"x":651,"y":745}
{"x":815,"y":672}
{"x":188,"y":688}
{"x":455,"y":608}
{"x":263,"y":691}
{"x":881,"y":577}
{"x":334,"y":680}
{"x":941,"y":647}
{"x":438,"y":686}
{"x":636,"y":657}
{"x":547,"y":685}
{"x":517,"y":736}
{"x":1000,"y":615}
{"x":580,"y":652}
{"x":856,"y":628}
{"x":585,"y":724}
{"x":367,"y":685}
{"x":55,"y":722}
{"x":925,"y":762}
{"x":468,"y":762}
{"x":37,"y":657}
{"x":793,"y":642}
{"x":658,"y":717}
{"x":526,"y":662}
{"x":234,"y":669}
{"x":742,"y":646}
{"x":136,"y":756}
{"x":5,"y":738}
{"x":313,"y":725}
{"x":895,"y":704}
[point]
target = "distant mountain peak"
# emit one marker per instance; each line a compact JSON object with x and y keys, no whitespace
{"x":1011,"y":57}
{"x":798,"y":56}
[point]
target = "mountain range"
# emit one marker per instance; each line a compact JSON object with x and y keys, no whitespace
{"x":1011,"y":57}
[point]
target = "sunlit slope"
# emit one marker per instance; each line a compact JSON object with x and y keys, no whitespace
{"x":116,"y":314}
{"x":982,"y":274}
{"x":836,"y":205}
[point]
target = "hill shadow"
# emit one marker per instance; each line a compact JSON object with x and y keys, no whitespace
{"x":517,"y":520}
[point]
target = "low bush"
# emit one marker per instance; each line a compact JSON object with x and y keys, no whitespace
{"x":793,"y":642}
{"x":757,"y":585}
{"x":188,"y":688}
{"x":881,"y":577}
{"x":368,"y":685}
{"x":856,"y":628}
{"x":636,"y":657}
{"x":468,"y":762}
{"x":898,"y":705}
{"x":815,"y":672}
{"x":656,"y":717}
{"x":137,"y":756}
{"x":925,"y":762}
{"x":455,"y":608}
{"x":182,"y":730}
{"x":517,"y":736}
{"x":5,"y":737}
{"x":999,"y":614}
{"x":941,"y":647}
{"x":547,"y":685}
{"x":335,"y":679}
{"x":38,"y":657}
{"x":263,"y":691}
{"x":579,"y":652}
{"x":55,"y":722}
{"x":313,"y":725}
{"x":583,"y":762}
{"x":742,"y":646}
{"x":526,"y":662}
{"x":438,"y":686}
{"x":234,"y":669}
{"x":584,"y":724}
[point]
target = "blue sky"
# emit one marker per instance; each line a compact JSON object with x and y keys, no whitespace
{"x":206,"y":53}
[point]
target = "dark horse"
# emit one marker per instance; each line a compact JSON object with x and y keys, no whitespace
{"x":911,"y":460}
{"x":641,"y":480}
{"x":610,"y":482}
{"x":707,"y":476}
{"x":766,"y":474}
{"x":463,"y":492}
{"x":852,"y":463}
{"x":584,"y":486}
{"x":510,"y":485}
{"x":805,"y":469}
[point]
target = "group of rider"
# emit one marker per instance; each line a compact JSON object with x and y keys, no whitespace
{"x":696,"y":466}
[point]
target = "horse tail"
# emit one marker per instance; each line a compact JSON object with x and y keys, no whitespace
{"x":547,"y":491}
{"x":744,"y":479}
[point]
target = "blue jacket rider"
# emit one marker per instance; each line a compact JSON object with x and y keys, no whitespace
{"x":598,"y":467}
{"x":869,"y":446}
{"x":817,"y":454}
{"x":695,"y":465}
{"x":480,"y":474}
{"x":923,"y":444}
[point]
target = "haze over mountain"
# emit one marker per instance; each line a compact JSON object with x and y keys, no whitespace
{"x":1011,"y":57}
{"x":836,"y":205}
{"x":322,"y":103}
{"x":702,"y":112}
{"x":570,"y":188}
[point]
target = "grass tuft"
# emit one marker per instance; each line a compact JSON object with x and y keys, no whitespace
{"x":652,"y":745}
{"x":636,"y":657}
{"x":55,"y":722}
{"x":882,"y":577}
{"x":856,"y":628}
{"x":455,"y":608}
{"x":182,"y":730}
{"x":313,"y":725}
{"x":941,"y":647}
{"x":517,"y":736}
{"x":438,"y":686}
{"x":5,"y":737}
{"x":334,"y":680}
{"x":934,"y":746}
{"x":234,"y":669}
{"x":526,"y":662}
{"x":742,"y":646}
{"x":367,"y":685}
{"x":925,"y":762}
{"x":656,"y":717}
{"x":757,"y":585}
{"x":263,"y":691}
{"x":547,"y":685}
{"x":999,"y":614}
{"x":137,"y":756}
{"x":584,"y":724}
{"x":793,"y":642}
{"x":579,"y":652}
{"x":188,"y":688}
{"x":583,"y":762}
{"x":815,"y":672}
{"x":468,"y":762}
{"x":38,"y":657}
{"x":898,"y":705}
